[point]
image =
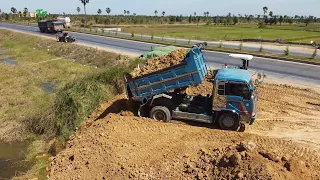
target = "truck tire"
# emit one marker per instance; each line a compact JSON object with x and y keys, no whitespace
{"x":229,"y":121}
{"x":160,"y":113}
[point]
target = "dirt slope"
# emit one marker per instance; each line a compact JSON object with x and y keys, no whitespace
{"x":120,"y":146}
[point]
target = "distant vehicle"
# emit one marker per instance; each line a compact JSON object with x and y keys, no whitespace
{"x":315,"y":45}
{"x":50,"y":26}
{"x":64,"y":37}
{"x":66,"y":21}
{"x":233,"y":102}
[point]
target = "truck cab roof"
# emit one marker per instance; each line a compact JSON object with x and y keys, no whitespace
{"x":230,"y":74}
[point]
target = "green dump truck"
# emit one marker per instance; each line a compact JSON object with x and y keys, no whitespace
{"x":50,"y":26}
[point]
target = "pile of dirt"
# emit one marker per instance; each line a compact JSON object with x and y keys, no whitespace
{"x":115,"y":144}
{"x":125,"y":146}
{"x":159,"y":63}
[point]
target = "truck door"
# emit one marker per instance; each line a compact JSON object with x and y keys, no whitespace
{"x":239,"y":99}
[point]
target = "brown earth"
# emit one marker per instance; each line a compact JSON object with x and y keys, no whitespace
{"x":115,"y":144}
{"x":159,"y":63}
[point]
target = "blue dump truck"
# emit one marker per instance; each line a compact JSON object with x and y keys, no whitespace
{"x":233,"y":102}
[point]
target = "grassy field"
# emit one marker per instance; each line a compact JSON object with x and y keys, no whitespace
{"x":292,"y":33}
{"x":81,"y":78}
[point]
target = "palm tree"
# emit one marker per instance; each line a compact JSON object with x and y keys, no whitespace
{"x":13,"y":10}
{"x":128,"y":12}
{"x":265,"y":10}
{"x":78,"y":9}
{"x":99,"y":11}
{"x":134,"y":14}
{"x":85,"y":2}
{"x":207,"y":13}
{"x":270,"y":13}
{"x":195,"y":14}
{"x":163,"y":13}
{"x":124,"y":12}
{"x":155,"y":12}
{"x":108,"y":10}
{"x":25,"y":12}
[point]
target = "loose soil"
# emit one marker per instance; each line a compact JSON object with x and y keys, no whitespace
{"x":116,"y":144}
{"x":159,"y":63}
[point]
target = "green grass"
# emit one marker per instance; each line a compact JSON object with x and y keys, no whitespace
{"x":292,"y":33}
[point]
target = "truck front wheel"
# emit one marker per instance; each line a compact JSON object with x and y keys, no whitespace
{"x":160,"y":113}
{"x":229,"y":121}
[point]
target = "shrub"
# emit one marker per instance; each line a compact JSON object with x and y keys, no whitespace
{"x":261,"y":48}
{"x":220,"y":44}
{"x":240,"y":46}
{"x":287,"y":51}
{"x":314,"y":54}
{"x":132,"y":34}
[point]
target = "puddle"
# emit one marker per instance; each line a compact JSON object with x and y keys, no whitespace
{"x":9,"y":61}
{"x":3,"y":56}
{"x":48,"y":87}
{"x":12,"y":159}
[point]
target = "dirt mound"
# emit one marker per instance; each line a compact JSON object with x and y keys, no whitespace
{"x":122,"y":146}
{"x":159,"y":63}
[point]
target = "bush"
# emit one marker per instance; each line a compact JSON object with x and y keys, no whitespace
{"x":240,"y":46}
{"x":314,"y":54}
{"x":261,"y":25}
{"x":220,"y":45}
{"x":77,"y":100}
{"x":287,"y":51}
{"x":132,"y":34}
{"x":261,"y":48}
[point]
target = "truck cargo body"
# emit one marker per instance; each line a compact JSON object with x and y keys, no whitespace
{"x":49,"y":26}
{"x":190,"y":72}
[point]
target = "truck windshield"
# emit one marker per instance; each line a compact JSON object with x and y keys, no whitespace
{"x":237,"y":89}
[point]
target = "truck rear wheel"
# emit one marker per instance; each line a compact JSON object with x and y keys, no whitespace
{"x":229,"y":121}
{"x":160,"y":113}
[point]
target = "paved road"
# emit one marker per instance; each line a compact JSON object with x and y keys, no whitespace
{"x":304,"y":74}
{"x":210,"y":43}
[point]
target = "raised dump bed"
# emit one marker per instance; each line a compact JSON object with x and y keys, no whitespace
{"x":191,"y":71}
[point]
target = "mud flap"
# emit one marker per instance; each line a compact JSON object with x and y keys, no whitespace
{"x":242,"y":128}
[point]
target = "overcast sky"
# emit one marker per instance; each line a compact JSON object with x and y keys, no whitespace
{"x":171,"y":7}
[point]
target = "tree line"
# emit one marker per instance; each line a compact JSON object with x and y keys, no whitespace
{"x":268,"y":17}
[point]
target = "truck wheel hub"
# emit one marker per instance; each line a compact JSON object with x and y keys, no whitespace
{"x":159,"y":115}
{"x":228,"y":122}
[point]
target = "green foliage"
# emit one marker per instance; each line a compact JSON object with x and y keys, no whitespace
{"x":261,"y":25}
{"x":132,"y":34}
{"x":102,"y":30}
{"x":220,"y":45}
{"x":287,"y":51}
{"x":261,"y":48}
{"x":151,"y":36}
{"x":315,"y":53}
{"x":240,"y":46}
{"x":235,"y":20}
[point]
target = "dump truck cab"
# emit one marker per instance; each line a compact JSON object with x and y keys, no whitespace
{"x":234,"y":93}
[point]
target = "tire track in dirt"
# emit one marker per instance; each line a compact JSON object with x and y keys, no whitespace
{"x":289,"y":147}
